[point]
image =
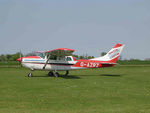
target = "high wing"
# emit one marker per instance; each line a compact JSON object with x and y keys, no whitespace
{"x":60,"y":52}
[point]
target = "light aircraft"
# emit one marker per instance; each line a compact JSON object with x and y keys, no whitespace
{"x":61,"y":60}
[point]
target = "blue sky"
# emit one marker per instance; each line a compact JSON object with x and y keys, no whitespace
{"x":88,"y":26}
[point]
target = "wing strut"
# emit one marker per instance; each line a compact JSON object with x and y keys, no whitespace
{"x":46,"y":62}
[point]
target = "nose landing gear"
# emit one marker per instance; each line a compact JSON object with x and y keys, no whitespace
{"x":30,"y":74}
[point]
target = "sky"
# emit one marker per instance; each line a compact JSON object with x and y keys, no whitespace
{"x":88,"y":26}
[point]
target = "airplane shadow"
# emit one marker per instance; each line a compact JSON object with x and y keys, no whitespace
{"x":77,"y":77}
{"x":111,"y":75}
{"x":40,"y":76}
{"x":61,"y":76}
{"x":70,"y":77}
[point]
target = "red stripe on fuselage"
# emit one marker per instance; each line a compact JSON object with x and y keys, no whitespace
{"x":95,"y":63}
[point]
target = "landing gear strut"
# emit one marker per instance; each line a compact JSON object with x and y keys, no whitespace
{"x":67,"y":72}
{"x":30,"y":74}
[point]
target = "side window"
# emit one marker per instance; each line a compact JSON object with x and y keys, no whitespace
{"x":42,"y":55}
{"x":53,"y":57}
{"x":68,"y":59}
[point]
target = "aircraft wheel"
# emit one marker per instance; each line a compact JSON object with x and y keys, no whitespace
{"x":50,"y":73}
{"x":56,"y":74}
{"x":30,"y":75}
{"x":67,"y":72}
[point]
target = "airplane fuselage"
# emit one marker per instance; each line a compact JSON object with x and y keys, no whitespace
{"x":37,"y":63}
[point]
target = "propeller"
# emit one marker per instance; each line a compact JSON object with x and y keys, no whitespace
{"x":20,"y":58}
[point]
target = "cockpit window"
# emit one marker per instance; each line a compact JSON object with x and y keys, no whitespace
{"x":53,"y":57}
{"x":68,"y":59}
{"x":42,"y":55}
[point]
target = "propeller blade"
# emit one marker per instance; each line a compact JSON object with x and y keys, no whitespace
{"x":20,"y":58}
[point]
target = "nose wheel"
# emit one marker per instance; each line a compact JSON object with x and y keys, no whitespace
{"x":30,"y":75}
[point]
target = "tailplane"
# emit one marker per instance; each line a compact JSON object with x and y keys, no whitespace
{"x":113,"y":55}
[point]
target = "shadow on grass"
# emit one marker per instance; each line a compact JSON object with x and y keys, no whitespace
{"x":70,"y":77}
{"x":62,"y":76}
{"x":39,"y":76}
{"x":77,"y":77}
{"x":111,"y":75}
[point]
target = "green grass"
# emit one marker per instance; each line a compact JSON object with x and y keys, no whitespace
{"x":9,"y":63}
{"x":109,"y":90}
{"x":134,"y":62}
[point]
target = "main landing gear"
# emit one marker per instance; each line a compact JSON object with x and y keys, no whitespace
{"x":56,"y":74}
{"x":67,"y":72}
{"x":51,"y":74}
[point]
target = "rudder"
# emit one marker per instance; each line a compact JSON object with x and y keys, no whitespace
{"x":113,"y":54}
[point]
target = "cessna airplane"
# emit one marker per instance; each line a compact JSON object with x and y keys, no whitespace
{"x":61,"y":60}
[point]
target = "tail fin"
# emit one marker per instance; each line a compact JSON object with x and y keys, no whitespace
{"x":113,"y":55}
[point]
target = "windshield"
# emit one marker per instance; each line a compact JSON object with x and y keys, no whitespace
{"x":42,"y":55}
{"x":68,"y":59}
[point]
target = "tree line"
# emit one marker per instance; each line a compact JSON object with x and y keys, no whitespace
{"x":9,"y":57}
{"x":14,"y":57}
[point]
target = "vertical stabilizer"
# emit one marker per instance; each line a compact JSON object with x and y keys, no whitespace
{"x":112,"y":55}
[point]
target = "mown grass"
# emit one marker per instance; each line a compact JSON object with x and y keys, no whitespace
{"x":134,"y":62}
{"x":9,"y":63}
{"x":109,"y":90}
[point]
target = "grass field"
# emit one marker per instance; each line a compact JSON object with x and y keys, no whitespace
{"x":120,"y":89}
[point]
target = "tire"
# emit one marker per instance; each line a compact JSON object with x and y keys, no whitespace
{"x":50,"y":74}
{"x":30,"y":75}
{"x":56,"y":74}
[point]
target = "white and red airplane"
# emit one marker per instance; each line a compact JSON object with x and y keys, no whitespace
{"x":61,"y":60}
